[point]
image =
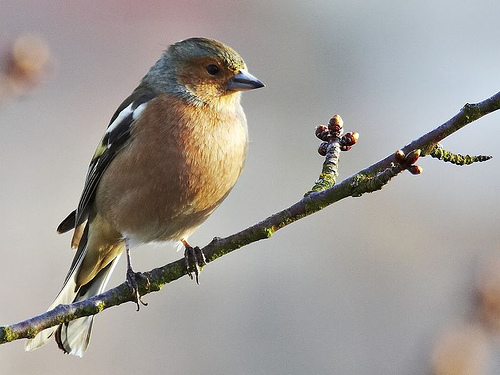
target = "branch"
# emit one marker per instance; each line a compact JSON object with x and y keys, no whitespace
{"x":368,"y":180}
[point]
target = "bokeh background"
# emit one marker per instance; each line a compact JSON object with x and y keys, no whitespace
{"x":383,"y":284}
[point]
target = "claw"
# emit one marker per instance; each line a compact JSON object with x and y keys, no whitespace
{"x":132,"y":279}
{"x":132,"y":282}
{"x":195,"y":260}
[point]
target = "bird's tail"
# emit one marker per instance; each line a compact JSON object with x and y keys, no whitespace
{"x":73,"y":337}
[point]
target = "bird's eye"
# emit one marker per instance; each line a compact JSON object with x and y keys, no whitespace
{"x":212,"y":69}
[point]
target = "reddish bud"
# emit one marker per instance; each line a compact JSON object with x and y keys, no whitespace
{"x":412,"y":157}
{"x":322,"y":148}
{"x":322,"y":132}
{"x":399,"y":155}
{"x":415,"y":169}
{"x":336,"y":125}
{"x":349,"y":139}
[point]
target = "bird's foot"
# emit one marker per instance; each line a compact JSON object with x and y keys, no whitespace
{"x":195,"y":260}
{"x":132,"y":278}
{"x":132,"y":282}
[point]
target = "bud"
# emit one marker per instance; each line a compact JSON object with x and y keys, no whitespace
{"x":336,"y":125}
{"x":322,"y":132}
{"x":322,"y":148}
{"x":415,"y":169}
{"x":399,"y":155}
{"x":412,"y":157}
{"x":349,"y":139}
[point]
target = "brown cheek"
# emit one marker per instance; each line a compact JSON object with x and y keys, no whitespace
{"x":205,"y":90}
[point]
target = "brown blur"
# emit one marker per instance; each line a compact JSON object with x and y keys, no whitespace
{"x":26,"y":65}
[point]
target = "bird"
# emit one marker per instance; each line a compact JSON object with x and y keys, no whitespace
{"x":172,"y":152}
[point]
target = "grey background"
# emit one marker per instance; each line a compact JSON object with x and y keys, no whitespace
{"x":363,"y":287}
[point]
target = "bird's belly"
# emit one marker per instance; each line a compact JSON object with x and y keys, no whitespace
{"x":169,"y":197}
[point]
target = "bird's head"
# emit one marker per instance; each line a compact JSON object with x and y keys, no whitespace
{"x":206,"y":70}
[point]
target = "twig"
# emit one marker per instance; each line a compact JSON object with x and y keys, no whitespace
{"x":333,"y":143}
{"x":440,"y":153}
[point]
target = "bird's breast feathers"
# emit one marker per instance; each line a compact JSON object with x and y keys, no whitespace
{"x":190,"y":158}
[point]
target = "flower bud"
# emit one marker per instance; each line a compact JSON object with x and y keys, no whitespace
{"x":322,"y":132}
{"x":412,"y":157}
{"x":322,"y":148}
{"x":349,"y":139}
{"x":399,"y":155}
{"x":415,"y":169}
{"x":336,"y":125}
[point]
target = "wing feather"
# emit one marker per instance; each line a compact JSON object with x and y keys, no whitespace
{"x":117,"y":135}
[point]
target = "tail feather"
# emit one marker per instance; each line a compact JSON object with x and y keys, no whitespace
{"x":73,"y":337}
{"x":65,"y":296}
{"x":68,"y":223}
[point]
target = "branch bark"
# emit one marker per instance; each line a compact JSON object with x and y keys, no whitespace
{"x":367,"y":180}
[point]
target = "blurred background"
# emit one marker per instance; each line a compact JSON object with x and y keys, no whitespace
{"x":402,"y":281}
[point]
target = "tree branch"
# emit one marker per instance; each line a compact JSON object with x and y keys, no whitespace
{"x":368,"y":180}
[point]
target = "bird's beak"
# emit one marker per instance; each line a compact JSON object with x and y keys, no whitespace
{"x":244,"y":81}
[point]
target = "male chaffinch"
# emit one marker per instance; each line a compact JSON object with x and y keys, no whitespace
{"x":172,"y":152}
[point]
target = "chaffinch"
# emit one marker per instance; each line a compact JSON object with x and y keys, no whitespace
{"x":172,"y":152}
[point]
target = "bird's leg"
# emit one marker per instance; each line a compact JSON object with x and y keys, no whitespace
{"x":195,"y":260}
{"x":132,"y":278}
